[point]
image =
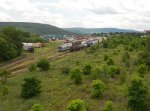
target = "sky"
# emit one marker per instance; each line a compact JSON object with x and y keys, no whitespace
{"x":126,"y":14}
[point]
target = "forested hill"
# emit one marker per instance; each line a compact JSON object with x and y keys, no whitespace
{"x":97,"y":30}
{"x":35,"y":27}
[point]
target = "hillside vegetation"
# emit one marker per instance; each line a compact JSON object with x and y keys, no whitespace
{"x":111,"y":76}
{"x":37,"y":28}
{"x":97,"y":30}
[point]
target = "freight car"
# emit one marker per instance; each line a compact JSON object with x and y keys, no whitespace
{"x":64,"y":47}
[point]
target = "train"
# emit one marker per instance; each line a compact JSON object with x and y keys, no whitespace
{"x":77,"y":45}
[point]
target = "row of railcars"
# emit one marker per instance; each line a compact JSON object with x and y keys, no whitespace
{"x":77,"y":45}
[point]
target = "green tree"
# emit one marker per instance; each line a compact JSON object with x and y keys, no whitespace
{"x":37,"y":107}
{"x":87,"y":69}
{"x":7,"y":52}
{"x":76,"y":75}
{"x":76,"y":105}
{"x":98,"y":88}
{"x":31,"y":87}
{"x":43,"y":64}
{"x":108,"y":106}
{"x":14,"y":37}
{"x":137,"y":95}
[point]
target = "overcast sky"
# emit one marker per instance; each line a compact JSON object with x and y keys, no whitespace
{"x":130,"y":14}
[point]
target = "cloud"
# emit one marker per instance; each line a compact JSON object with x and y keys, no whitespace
{"x":104,"y":10}
{"x":132,"y":14}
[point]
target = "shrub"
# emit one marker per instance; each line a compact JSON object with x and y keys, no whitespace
{"x":141,"y":69}
{"x":65,"y":70}
{"x":87,"y":69}
{"x":32,"y":67}
{"x":43,"y":64}
{"x":110,"y":62}
{"x":101,"y":73}
{"x":4,"y":74}
{"x":76,"y":75}
{"x":31,"y":87}
{"x":37,"y":107}
{"x":114,"y":70}
{"x":106,"y":57}
{"x":137,"y":94}
{"x":76,"y":105}
{"x":98,"y":88}
{"x":108,"y":106}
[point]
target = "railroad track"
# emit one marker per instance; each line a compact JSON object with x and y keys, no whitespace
{"x":21,"y":66}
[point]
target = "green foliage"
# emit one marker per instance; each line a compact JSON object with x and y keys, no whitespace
{"x":10,"y":43}
{"x":76,"y":75}
{"x":101,"y":73}
{"x":144,"y":56}
{"x":76,"y":105}
{"x":4,"y":74}
{"x":30,"y":88}
{"x":137,"y":95}
{"x":65,"y":70}
{"x":4,"y":90}
{"x":37,"y":107}
{"x":87,"y":69}
{"x":141,"y":70}
{"x":98,"y":88}
{"x":122,"y":78}
{"x":125,"y":56}
{"x":106,"y":57}
{"x":110,"y":62}
{"x":105,"y":44}
{"x":32,"y":67}
{"x":43,"y":64}
{"x":42,"y":29}
{"x":108,"y":106}
{"x":114,"y":70}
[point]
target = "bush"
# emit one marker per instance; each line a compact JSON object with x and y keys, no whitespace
{"x":106,"y":57}
{"x":76,"y":105}
{"x":4,"y":74}
{"x":108,"y":106}
{"x":65,"y":70}
{"x":114,"y":70}
{"x":137,"y":95}
{"x":32,"y":67}
{"x":37,"y":107}
{"x":30,"y":88}
{"x":76,"y":75}
{"x":101,"y":73}
{"x":141,"y":69}
{"x":98,"y":88}
{"x":110,"y":62}
{"x":87,"y":69}
{"x":43,"y":64}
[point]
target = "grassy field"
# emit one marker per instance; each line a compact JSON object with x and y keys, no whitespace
{"x":58,"y":90}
